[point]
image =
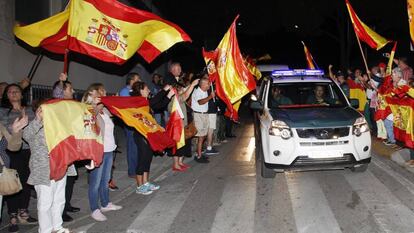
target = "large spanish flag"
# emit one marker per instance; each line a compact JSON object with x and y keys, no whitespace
{"x":357,"y":91}
{"x":234,"y":78}
{"x":111,"y":31}
{"x":403,"y":111}
{"x":135,"y":112}
{"x":365,"y":33}
{"x":410,"y":10}
{"x":72,"y":134}
{"x":104,"y":29}
{"x":175,"y":125}
{"x":309,"y":59}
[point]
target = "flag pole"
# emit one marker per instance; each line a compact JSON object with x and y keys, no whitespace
{"x":363,"y":55}
{"x":66,"y":62}
{"x":34,"y":67}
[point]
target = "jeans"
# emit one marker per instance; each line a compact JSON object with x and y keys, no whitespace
{"x":99,"y":182}
{"x":132,"y":151}
{"x":411,"y":154}
{"x":390,"y":130}
{"x":50,"y":205}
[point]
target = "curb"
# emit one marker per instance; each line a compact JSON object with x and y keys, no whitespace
{"x":400,"y":157}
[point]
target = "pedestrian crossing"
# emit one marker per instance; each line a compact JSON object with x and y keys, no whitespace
{"x":228,"y":195}
{"x":323,"y":201}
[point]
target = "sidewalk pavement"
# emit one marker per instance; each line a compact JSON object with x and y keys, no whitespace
{"x":397,"y":154}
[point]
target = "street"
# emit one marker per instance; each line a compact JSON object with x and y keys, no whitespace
{"x":227,"y":195}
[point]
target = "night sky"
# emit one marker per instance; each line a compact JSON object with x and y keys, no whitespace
{"x":269,"y":27}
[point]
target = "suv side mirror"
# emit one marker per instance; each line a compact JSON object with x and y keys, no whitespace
{"x":256,"y":105}
{"x":354,"y":103}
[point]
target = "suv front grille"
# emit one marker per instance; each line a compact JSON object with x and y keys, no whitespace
{"x":323,"y":133}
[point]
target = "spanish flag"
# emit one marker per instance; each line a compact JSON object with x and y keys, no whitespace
{"x":104,"y":29}
{"x":403,"y":111}
{"x":251,"y":66}
{"x":365,"y":33}
{"x":357,"y":91}
{"x":51,"y":33}
{"x":72,"y":134}
{"x":135,"y":112}
{"x":210,"y":58}
{"x":410,"y":10}
{"x":391,"y":59}
{"x":175,"y":125}
{"x":234,"y":79}
{"x":309,"y":58}
{"x":384,"y":91}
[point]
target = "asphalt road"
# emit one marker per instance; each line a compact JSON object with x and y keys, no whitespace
{"x":228,"y":195}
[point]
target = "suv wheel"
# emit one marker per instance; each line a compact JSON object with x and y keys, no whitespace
{"x":264,"y":171}
{"x":360,"y":168}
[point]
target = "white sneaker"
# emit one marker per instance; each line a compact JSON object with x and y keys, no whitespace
{"x":98,"y":216}
{"x":110,"y":207}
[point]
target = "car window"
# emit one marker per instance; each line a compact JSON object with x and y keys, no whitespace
{"x":302,"y":95}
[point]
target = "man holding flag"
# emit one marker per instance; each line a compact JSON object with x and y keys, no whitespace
{"x":199,"y":104}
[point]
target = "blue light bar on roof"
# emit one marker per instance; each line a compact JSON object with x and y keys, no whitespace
{"x":277,"y":73}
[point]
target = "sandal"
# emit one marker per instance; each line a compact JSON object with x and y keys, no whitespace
{"x":25,"y":218}
{"x":13,"y":227}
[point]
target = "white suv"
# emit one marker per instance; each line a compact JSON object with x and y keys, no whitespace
{"x":303,"y":121}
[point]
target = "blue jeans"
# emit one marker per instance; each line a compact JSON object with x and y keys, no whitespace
{"x":99,"y":182}
{"x":390,"y":130}
{"x":132,"y":151}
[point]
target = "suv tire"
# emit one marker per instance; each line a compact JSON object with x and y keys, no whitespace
{"x":361,"y":168}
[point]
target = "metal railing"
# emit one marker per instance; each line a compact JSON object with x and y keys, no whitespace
{"x":37,"y":91}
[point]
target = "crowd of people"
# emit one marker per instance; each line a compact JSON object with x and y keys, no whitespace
{"x":371,"y":82}
{"x":23,"y":145}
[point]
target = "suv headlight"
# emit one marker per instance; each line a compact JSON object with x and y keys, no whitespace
{"x":360,"y":126}
{"x":280,"y":128}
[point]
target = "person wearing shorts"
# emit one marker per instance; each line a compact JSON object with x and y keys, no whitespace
{"x":199,"y":104}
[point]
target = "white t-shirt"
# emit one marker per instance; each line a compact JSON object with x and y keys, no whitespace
{"x":109,"y":139}
{"x":197,"y":95}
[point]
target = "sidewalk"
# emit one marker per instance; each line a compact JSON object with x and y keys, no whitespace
{"x":397,"y":154}
{"x":160,"y":167}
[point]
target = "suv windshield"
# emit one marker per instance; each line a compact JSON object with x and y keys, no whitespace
{"x":305,"y":94}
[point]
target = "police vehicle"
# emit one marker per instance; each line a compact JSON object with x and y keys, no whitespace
{"x":303,"y":121}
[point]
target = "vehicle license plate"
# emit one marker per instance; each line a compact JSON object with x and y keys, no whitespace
{"x":325,"y":154}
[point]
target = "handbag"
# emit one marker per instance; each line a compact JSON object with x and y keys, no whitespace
{"x":190,"y":130}
{"x":9,"y":180}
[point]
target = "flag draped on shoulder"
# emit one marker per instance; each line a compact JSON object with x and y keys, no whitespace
{"x":357,"y":91}
{"x":402,"y":108}
{"x":104,"y":29}
{"x":135,"y":112}
{"x":309,"y":59}
{"x":175,"y":125}
{"x":72,"y":134}
{"x":234,"y":80}
{"x":363,"y":32}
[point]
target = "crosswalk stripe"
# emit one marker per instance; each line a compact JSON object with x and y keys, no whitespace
{"x":386,"y":168}
{"x":160,"y":212}
{"x":310,"y":207}
{"x":237,"y":212}
{"x":390,"y":214}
